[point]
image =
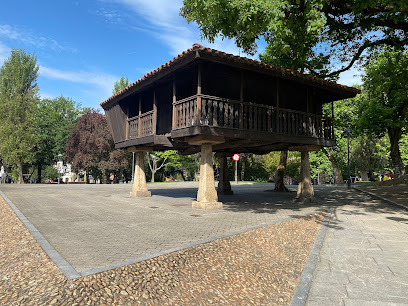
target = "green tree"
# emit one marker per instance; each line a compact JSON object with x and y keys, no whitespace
{"x":18,"y":100}
{"x":53,"y":120}
{"x":385,"y":102}
{"x":120,"y":84}
{"x":350,"y":27}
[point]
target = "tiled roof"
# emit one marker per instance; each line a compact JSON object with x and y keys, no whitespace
{"x":285,"y":73}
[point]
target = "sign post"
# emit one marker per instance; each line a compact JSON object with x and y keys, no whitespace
{"x":236,"y":157}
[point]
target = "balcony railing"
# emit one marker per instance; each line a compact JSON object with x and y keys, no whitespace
{"x":140,"y":126}
{"x":202,"y":110}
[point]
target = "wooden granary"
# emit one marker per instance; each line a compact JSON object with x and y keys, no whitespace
{"x":209,"y":101}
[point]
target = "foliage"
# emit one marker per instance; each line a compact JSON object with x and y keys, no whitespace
{"x":53,"y":121}
{"x":384,"y":104}
{"x":347,"y":28}
{"x":18,"y":99}
{"x":120,"y":84}
{"x":50,"y":173}
{"x":90,"y":147}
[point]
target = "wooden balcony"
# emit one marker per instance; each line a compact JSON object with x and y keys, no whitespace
{"x":202,"y":110}
{"x":140,"y":126}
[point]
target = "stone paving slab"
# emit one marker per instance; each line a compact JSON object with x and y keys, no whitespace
{"x":364,"y":260}
{"x":96,"y":226}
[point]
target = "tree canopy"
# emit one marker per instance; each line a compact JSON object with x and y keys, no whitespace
{"x":385,"y":102}
{"x":339,"y":29}
{"x":18,"y":100}
{"x":53,"y":120}
{"x":120,"y":84}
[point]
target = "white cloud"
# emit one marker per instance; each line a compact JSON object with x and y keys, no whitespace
{"x":165,"y":23}
{"x":350,"y":77}
{"x":28,"y":38}
{"x":103,"y":81}
{"x":4,"y":52}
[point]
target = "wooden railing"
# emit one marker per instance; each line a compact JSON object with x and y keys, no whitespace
{"x":218,"y":112}
{"x":140,"y":126}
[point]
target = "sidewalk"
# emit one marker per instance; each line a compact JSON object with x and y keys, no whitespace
{"x":364,"y":258}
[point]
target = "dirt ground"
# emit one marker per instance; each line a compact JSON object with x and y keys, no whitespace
{"x":395,"y":190}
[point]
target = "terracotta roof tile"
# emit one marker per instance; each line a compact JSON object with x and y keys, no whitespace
{"x":197,"y":47}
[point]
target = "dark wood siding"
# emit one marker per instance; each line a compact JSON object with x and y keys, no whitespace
{"x":164,"y":95}
{"x":116,"y":116}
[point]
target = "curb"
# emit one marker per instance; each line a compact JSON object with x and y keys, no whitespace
{"x":381,"y":198}
{"x":303,"y":286}
{"x":64,"y":266}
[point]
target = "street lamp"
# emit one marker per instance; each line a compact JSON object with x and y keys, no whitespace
{"x":318,"y":176}
{"x":59,"y":167}
{"x":347,"y":133}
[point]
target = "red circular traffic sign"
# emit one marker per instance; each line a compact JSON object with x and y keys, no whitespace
{"x":236,"y":157}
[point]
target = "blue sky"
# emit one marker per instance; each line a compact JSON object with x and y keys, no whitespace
{"x":83,"y":47}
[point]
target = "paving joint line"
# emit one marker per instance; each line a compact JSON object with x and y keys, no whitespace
{"x":382,"y":198}
{"x":303,"y":286}
{"x":65,"y":267}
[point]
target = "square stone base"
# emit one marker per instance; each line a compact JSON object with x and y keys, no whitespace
{"x":207,"y":205}
{"x":140,"y":194}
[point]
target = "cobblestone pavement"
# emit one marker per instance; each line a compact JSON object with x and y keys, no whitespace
{"x":94,"y":226}
{"x":364,"y":258}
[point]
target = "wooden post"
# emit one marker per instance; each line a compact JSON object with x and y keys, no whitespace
{"x":241,"y":99}
{"x":224,"y":185}
{"x":174,"y":124}
{"x":127,"y":123}
{"x":154,"y":112}
{"x":198,"y":115}
{"x":139,"y":132}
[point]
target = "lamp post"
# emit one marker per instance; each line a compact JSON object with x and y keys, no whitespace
{"x":347,"y":133}
{"x":59,"y":168}
{"x":318,"y":181}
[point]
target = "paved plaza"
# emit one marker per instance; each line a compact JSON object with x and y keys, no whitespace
{"x":364,"y":258}
{"x":94,"y":226}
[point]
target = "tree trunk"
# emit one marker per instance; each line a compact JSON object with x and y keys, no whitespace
{"x":335,"y":165}
{"x":395,"y":153}
{"x":280,"y":172}
{"x":39,"y":169}
{"x":364,"y":174}
{"x":20,"y":179}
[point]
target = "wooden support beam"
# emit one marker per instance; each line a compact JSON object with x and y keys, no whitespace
{"x":174,"y":101}
{"x":140,"y":149}
{"x":203,"y":139}
{"x":154,"y":111}
{"x":127,"y":123}
{"x":198,"y":114}
{"x":305,"y":148}
{"x":139,"y":130}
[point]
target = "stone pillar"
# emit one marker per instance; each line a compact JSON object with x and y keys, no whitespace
{"x":224,"y":185}
{"x":305,"y":191}
{"x":207,"y":195}
{"x":139,"y":188}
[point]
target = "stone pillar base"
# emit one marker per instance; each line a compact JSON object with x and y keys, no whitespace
{"x":140,"y":194}
{"x":207,"y":205}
